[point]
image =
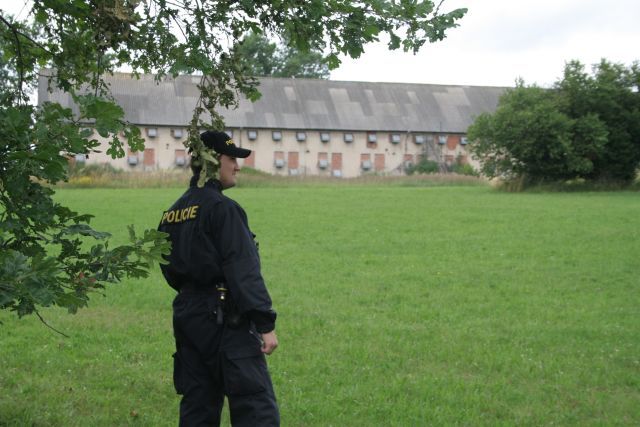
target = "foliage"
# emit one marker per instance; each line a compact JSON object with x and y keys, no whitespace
{"x":264,"y":58}
{"x":609,"y":98}
{"x":464,"y":169}
{"x":527,"y":135}
{"x":424,"y":166}
{"x":72,"y":44}
{"x":587,"y":126}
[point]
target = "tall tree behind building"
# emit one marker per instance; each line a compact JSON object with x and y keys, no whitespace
{"x":263,"y":58}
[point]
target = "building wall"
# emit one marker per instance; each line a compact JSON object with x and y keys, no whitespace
{"x":163,"y":150}
{"x":285,"y":154}
{"x":289,"y":156}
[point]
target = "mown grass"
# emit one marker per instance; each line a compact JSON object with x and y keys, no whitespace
{"x":398,"y":306}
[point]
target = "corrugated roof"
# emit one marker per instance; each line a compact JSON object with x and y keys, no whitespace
{"x":307,"y":104}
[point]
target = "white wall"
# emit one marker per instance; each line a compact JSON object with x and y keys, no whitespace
{"x":162,"y":150}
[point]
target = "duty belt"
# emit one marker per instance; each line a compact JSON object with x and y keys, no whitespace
{"x":221,"y":306}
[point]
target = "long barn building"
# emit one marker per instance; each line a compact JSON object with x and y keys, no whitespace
{"x":304,"y":126}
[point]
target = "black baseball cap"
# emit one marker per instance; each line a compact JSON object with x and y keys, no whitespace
{"x":222,"y":143}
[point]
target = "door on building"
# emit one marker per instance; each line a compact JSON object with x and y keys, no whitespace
{"x":336,"y":164}
{"x":149,"y":158}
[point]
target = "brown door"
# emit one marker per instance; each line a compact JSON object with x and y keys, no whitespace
{"x":336,"y":161}
{"x":149,"y":157}
{"x":292,"y":160}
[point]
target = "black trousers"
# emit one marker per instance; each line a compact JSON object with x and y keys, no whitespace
{"x":213,"y":361}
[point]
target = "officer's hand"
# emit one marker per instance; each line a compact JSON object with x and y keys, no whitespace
{"x":269,"y":342}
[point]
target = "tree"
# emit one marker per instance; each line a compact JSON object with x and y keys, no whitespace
{"x":264,"y":58}
{"x":585,"y":127}
{"x":610,"y":93}
{"x":259,"y":55}
{"x":43,"y":261}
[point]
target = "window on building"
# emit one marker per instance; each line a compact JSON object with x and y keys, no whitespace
{"x":301,"y":136}
{"x":365,"y":161}
{"x":372,"y":140}
{"x":463,"y":140}
{"x":81,"y":158}
{"x":323,"y":161}
{"x":152,"y":132}
{"x":181,"y":158}
{"x":276,"y":135}
{"x":348,"y":137}
{"x":176,"y":133}
{"x":132,"y":158}
{"x":325,"y":136}
{"x":395,"y":138}
{"x":419,"y":138}
{"x":278,"y":159}
{"x":442,"y":139}
{"x":252,"y":135}
{"x":408,"y":160}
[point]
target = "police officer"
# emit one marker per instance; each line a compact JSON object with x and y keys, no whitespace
{"x":222,"y":316}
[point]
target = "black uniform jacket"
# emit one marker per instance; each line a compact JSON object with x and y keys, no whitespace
{"x":211,"y":244}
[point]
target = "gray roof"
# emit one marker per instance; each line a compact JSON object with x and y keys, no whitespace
{"x":306,"y":104}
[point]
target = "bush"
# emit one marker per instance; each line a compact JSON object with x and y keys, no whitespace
{"x":92,"y":170}
{"x":464,"y":169}
{"x":424,"y":166}
{"x":585,"y":128}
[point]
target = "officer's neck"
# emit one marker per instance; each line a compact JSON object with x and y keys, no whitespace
{"x":211,"y":182}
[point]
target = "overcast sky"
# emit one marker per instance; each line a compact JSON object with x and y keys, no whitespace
{"x":500,"y":40}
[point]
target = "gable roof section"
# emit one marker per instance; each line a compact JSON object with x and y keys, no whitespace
{"x":305,"y":104}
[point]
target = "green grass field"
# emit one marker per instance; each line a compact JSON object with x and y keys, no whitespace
{"x":397,"y":307}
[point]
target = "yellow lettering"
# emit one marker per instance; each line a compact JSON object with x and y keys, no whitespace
{"x":230,"y":142}
{"x":180,"y":215}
